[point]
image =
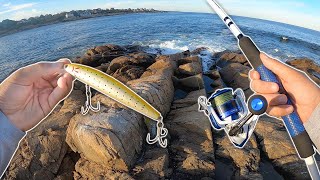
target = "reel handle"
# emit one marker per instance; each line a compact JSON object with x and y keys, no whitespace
{"x":257,"y":104}
{"x":292,"y":121}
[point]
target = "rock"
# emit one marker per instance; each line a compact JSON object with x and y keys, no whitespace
{"x":235,"y":75}
{"x":42,"y":151}
{"x":308,"y":66}
{"x":191,"y":147}
{"x":190,"y":69}
{"x":284,"y":39}
{"x":137,"y":59}
{"x":246,"y":160}
{"x":133,"y":48}
{"x":143,"y":59}
{"x":112,"y":138}
{"x":74,"y":102}
{"x":174,"y":57}
{"x":128,"y":73}
{"x":103,"y":67}
{"x":67,"y":166}
{"x":199,"y":50}
{"x":157,"y":88}
{"x":191,"y":59}
{"x":230,"y":57}
{"x":91,"y":52}
{"x":189,"y":100}
{"x":179,"y":94}
{"x":190,"y":83}
{"x":90,"y":170}
{"x":155,"y":165}
{"x":213,"y":74}
{"x":277,"y":147}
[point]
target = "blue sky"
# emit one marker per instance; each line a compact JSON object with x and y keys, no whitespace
{"x":305,"y":13}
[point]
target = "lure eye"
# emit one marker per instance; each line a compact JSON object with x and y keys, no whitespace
{"x":65,"y":66}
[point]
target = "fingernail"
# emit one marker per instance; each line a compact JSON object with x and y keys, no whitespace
{"x":282,"y":100}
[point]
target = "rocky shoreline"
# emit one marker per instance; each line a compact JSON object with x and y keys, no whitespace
{"x":111,"y":144}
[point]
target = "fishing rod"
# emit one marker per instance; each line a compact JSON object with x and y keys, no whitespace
{"x":293,"y":123}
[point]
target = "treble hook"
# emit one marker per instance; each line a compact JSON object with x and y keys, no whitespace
{"x":161,"y":134}
{"x":88,"y":104}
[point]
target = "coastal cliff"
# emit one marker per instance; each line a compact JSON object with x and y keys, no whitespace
{"x":111,"y":144}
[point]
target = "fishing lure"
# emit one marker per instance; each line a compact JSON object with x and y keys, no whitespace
{"x":119,"y":92}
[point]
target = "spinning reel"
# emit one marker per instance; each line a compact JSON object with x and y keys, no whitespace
{"x":228,"y":110}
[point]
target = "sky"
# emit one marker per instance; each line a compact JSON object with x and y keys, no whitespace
{"x":304,"y":13}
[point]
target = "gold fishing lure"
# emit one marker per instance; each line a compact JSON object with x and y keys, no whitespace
{"x":119,"y":92}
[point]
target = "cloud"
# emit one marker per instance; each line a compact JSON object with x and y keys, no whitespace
{"x":12,"y":8}
{"x":18,"y":15}
{"x":119,"y":4}
{"x":7,"y":4}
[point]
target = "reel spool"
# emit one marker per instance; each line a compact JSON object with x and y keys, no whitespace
{"x":225,"y":105}
{"x":227,"y":110}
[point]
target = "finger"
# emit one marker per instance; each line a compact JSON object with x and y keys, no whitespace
{"x":65,"y":60}
{"x":43,"y":69}
{"x":276,"y":99}
{"x":61,"y":91}
{"x":281,"y":110}
{"x":279,"y":68}
{"x":254,"y":75}
{"x":263,"y":87}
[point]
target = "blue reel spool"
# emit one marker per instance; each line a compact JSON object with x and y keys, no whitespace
{"x":224,"y":104}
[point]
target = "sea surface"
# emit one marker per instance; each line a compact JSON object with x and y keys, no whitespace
{"x":169,"y":32}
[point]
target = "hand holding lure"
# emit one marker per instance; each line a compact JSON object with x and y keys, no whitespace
{"x":119,"y":92}
{"x":293,"y":123}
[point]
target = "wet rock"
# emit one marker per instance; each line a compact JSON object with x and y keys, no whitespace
{"x":90,"y":170}
{"x":191,"y":148}
{"x":102,"y":138}
{"x":308,"y":66}
{"x":154,"y":166}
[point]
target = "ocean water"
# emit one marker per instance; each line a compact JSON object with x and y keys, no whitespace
{"x":169,"y":32}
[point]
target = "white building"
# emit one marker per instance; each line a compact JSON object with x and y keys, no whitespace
{"x":70,"y":15}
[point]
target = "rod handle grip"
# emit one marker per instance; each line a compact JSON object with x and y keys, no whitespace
{"x":292,"y":121}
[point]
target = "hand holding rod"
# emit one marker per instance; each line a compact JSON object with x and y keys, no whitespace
{"x":293,"y":123}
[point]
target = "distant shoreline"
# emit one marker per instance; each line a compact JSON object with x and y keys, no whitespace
{"x":29,"y":27}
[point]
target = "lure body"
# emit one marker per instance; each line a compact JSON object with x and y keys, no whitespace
{"x":112,"y":88}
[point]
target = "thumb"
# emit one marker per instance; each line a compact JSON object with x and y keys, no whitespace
{"x":64,"y":86}
{"x":277,"y":67}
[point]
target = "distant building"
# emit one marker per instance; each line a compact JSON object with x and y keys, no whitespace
{"x":70,"y":15}
{"x":85,"y":13}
